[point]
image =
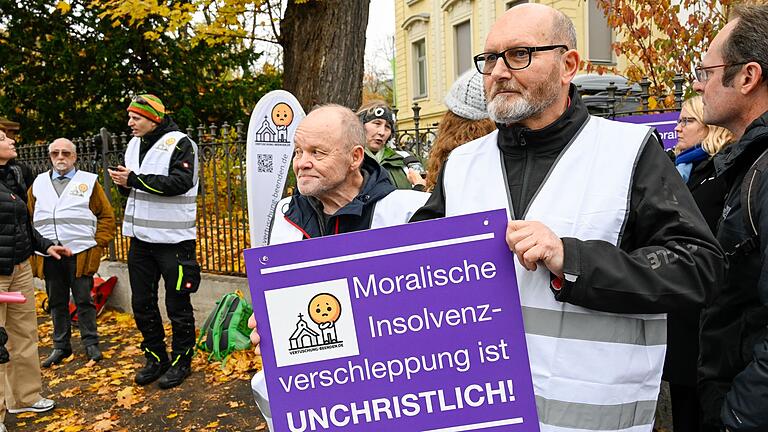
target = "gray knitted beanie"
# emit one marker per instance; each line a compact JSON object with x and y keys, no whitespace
{"x":466,"y":97}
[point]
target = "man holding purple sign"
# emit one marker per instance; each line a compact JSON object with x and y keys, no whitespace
{"x":607,"y":237}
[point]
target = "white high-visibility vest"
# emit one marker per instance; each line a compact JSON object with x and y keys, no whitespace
{"x":394,"y":209}
{"x":591,"y":370}
{"x":66,"y":219}
{"x":156,"y":218}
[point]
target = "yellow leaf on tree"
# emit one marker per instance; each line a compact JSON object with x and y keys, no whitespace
{"x":63,"y":6}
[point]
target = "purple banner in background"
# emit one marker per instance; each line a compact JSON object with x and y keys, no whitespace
{"x":415,"y":327}
{"x":665,"y":123}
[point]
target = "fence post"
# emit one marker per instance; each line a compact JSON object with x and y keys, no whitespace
{"x":416,"y":108}
{"x":107,"y":181}
{"x":612,"y":98}
{"x":645,"y":87}
{"x":678,"y":81}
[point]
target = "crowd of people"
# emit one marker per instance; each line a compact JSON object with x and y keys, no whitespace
{"x":633,"y":268}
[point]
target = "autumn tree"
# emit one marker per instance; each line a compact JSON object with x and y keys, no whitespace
{"x":68,"y":67}
{"x":323,"y":49}
{"x":660,"y":38}
{"x":322,"y":41}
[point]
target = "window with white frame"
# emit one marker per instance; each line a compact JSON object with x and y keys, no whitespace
{"x":419,"y":50}
{"x":462,"y":38}
{"x":600,"y":35}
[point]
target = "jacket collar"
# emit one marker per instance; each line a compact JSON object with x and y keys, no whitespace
{"x":168,"y":125}
{"x":376,"y":185}
{"x":554,"y":137}
{"x":747,"y":149}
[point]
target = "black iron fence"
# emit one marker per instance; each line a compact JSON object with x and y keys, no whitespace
{"x":222,"y":217}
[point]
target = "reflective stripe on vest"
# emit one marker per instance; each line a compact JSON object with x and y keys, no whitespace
{"x":68,"y":218}
{"x":591,"y":370}
{"x":394,"y":209}
{"x":156,"y":218}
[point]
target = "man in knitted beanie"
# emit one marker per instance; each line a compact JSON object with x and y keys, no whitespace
{"x":466,"y":98}
{"x":160,"y":179}
{"x":149,"y":106}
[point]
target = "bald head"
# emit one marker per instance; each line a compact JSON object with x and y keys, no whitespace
{"x":545,"y":23}
{"x":328,"y":153}
{"x":337,"y":121}
{"x":62,"y":143}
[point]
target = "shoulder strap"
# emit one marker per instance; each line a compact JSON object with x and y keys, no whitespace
{"x":750,"y":186}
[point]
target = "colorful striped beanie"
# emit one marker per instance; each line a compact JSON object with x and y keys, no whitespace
{"x":149,"y":106}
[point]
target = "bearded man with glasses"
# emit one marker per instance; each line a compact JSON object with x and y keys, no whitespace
{"x":70,"y":208}
{"x":733,"y":358}
{"x":605,"y":236}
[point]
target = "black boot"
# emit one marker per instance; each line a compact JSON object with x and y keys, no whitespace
{"x":151,"y":371}
{"x":57,"y":356}
{"x":177,"y":373}
{"x":93,"y":352}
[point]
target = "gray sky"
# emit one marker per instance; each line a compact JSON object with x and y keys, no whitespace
{"x":381,"y":28}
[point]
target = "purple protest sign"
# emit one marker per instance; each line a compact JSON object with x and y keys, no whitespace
{"x":415,"y":327}
{"x":665,"y":123}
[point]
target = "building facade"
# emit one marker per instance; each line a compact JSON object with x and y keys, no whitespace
{"x":435,"y":41}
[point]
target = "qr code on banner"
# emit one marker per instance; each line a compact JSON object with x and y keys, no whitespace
{"x":264,"y":163}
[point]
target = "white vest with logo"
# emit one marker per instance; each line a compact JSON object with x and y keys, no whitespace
{"x":155,"y":218}
{"x":66,"y":219}
{"x":394,"y":209}
{"x":591,"y":370}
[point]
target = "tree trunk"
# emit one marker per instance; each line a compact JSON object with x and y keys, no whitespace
{"x":323,"y":48}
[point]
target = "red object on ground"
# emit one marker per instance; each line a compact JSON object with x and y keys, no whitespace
{"x":12,"y":297}
{"x":100,"y":292}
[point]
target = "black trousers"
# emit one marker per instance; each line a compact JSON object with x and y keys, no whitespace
{"x":686,"y":411}
{"x":147,"y":262}
{"x":59,"y":280}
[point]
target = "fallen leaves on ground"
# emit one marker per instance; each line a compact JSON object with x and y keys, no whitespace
{"x":102,"y":397}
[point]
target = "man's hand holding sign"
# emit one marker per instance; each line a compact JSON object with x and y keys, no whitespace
{"x":535,"y":244}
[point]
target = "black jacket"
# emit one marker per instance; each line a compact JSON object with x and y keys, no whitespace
{"x":180,"y":176}
{"x":683,"y":326}
{"x":307,"y":212}
{"x":733,"y":364}
{"x":667,"y":258}
{"x":18,"y":239}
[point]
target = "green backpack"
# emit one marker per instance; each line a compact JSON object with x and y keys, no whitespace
{"x":226,"y":328}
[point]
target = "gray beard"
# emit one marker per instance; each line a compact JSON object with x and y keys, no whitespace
{"x":501,"y":111}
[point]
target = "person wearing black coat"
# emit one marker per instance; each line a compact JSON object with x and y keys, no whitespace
{"x":21,"y":384}
{"x":696,"y":145}
{"x":733,"y":359}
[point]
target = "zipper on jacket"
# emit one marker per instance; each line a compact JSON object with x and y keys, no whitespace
{"x":520,"y":204}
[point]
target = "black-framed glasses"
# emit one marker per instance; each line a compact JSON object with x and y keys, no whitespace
{"x":140,"y":100}
{"x":514,"y":58}
{"x":685,"y":121}
{"x":704,"y":73}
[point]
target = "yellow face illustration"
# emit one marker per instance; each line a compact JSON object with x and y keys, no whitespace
{"x":282,"y":114}
{"x":324,"y":308}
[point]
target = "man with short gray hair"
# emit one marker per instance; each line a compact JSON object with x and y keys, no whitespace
{"x":70,"y":208}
